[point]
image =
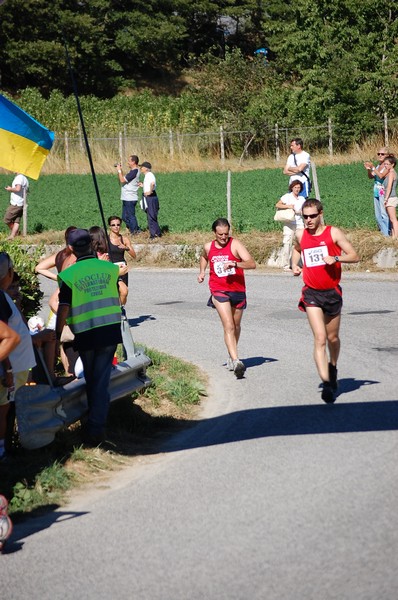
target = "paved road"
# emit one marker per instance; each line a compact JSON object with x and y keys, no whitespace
{"x":272,"y":495}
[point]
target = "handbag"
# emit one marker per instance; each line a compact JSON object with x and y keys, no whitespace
{"x":284,"y":215}
{"x":309,"y":182}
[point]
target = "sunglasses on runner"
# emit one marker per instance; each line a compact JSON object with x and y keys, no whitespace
{"x":313,"y":216}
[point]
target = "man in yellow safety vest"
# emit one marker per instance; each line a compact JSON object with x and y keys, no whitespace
{"x":89,"y":304}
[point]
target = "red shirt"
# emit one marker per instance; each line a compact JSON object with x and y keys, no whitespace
{"x":232,"y":280}
{"x":317,"y":274}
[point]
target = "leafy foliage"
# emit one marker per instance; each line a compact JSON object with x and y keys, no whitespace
{"x":48,"y":488}
{"x":24,"y":265}
{"x":330,"y":58}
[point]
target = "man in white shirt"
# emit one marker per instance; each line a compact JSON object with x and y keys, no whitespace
{"x":18,"y":189}
{"x":150,"y":200}
{"x":298,"y":166}
{"x":129,"y":193}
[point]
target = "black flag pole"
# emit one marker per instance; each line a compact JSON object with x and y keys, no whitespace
{"x":79,"y":110}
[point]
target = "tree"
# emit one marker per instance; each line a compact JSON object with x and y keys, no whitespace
{"x":331,"y":54}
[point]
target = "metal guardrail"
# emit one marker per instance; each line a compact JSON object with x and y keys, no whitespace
{"x":43,"y":410}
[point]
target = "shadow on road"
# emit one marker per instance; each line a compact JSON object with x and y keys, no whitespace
{"x":141,"y":319}
{"x":350,"y":385}
{"x":288,"y":420}
{"x":256,"y":361}
{"x":37,"y":523}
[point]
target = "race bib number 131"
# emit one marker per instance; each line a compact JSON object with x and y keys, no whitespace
{"x":313,"y":257}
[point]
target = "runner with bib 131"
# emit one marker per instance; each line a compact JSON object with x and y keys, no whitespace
{"x":322,"y":249}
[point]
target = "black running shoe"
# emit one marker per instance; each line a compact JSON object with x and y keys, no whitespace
{"x":333,"y":377}
{"x":327,"y":393}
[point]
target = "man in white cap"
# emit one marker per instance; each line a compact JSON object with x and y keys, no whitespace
{"x":150,"y":200}
{"x":89,"y":303}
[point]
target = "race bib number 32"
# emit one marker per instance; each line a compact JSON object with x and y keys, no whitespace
{"x":220,"y":272}
{"x":313,"y":257}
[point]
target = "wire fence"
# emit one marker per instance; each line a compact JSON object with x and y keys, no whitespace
{"x":220,"y":145}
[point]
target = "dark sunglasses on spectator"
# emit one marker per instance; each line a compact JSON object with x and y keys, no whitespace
{"x":115,"y":224}
{"x":313,"y":216}
{"x":381,"y":154}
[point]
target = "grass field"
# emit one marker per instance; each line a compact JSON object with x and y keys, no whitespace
{"x":193,"y":200}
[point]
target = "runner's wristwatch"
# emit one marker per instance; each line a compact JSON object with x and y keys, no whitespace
{"x":337,"y":259}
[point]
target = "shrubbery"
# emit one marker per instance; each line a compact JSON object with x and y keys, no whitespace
{"x":25,"y":260}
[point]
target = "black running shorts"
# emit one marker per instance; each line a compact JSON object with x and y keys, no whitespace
{"x":236,"y":299}
{"x":330,"y":301}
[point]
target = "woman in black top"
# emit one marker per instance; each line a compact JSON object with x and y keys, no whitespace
{"x":119,"y":245}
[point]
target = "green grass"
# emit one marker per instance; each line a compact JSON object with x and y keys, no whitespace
{"x":192,"y":201}
{"x":173,"y":381}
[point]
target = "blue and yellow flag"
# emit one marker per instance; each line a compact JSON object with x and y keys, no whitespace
{"x":24,"y":142}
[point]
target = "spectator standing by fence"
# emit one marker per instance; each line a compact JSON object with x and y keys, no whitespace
{"x":18,"y":190}
{"x":129,"y":193}
{"x":378,"y":173}
{"x":390,"y":193}
{"x":298,"y":166}
{"x":150,"y":200}
{"x":291,"y":200}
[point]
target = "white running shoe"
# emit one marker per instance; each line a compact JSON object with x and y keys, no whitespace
{"x":230,"y":364}
{"x":239,"y":368}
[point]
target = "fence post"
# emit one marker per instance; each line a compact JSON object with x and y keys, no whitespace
{"x":125,"y":139}
{"x":121,"y":145}
{"x":171,"y":146}
{"x":25,"y":212}
{"x":315,"y":180}
{"x":385,"y":130}
{"x":229,"y":215}
{"x":222,"y":146}
{"x":277,"y":153}
{"x":330,"y":137}
{"x":67,"y":163}
{"x":80,"y":137}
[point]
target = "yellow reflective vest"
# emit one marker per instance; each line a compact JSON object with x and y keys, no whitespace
{"x":95,"y":298}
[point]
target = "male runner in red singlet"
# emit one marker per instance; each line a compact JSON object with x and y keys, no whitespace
{"x":227,"y":258}
{"x":320,"y":248}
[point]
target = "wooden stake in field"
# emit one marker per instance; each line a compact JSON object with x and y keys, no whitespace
{"x":229,"y":217}
{"x":315,"y":181}
{"x":25,"y":213}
